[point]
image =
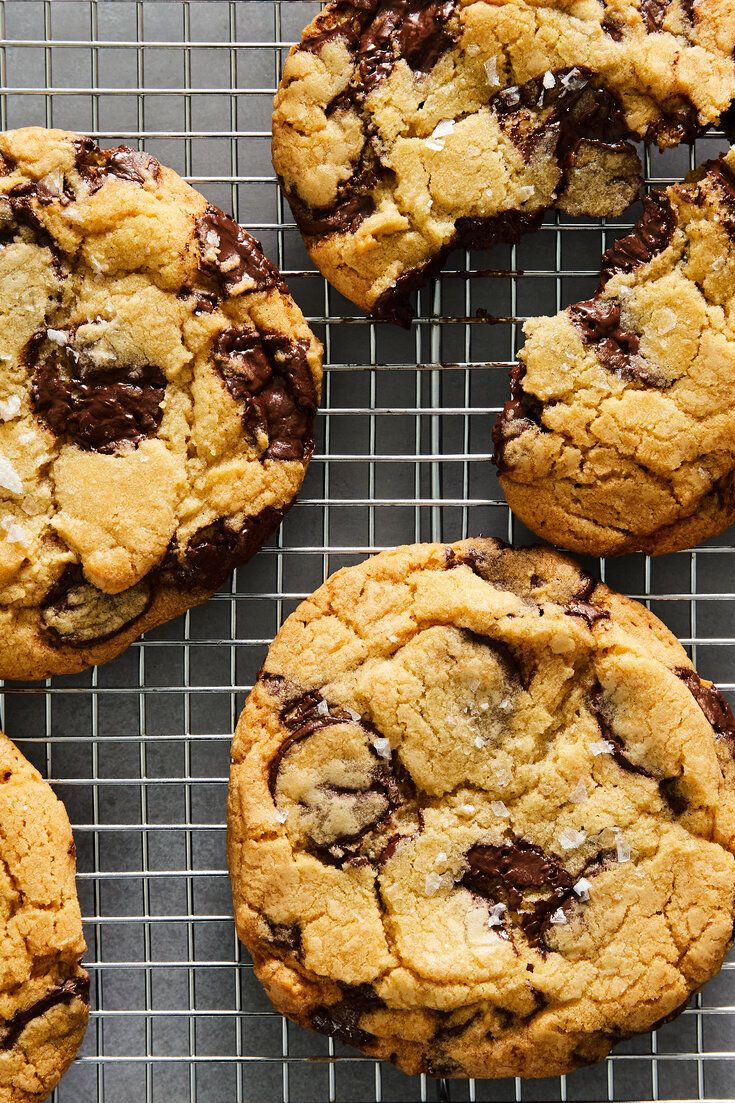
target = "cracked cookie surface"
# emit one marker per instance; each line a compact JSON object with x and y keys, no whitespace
{"x":157,"y":391}
{"x":620,"y":433}
{"x":481,"y":814}
{"x":404,"y":128}
{"x":44,"y":991}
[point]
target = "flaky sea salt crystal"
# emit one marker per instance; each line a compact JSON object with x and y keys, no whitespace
{"x":582,"y":889}
{"x":559,"y":918}
{"x":549,"y":79}
{"x":484,"y":706}
{"x":439,"y":133}
{"x":212,"y":238}
{"x":666,"y":321}
{"x":54,"y":181}
{"x":497,"y":912}
{"x":473,"y":49}
{"x":499,"y":808}
{"x":433,"y":883}
{"x":352,"y":714}
{"x":473,"y":685}
{"x":511,"y":97}
{"x":382,"y":747}
{"x":601,"y":746}
{"x":502,"y":776}
{"x":622,"y":848}
{"x":571,"y":839}
{"x":440,"y":858}
{"x":58,"y":336}
{"x":479,"y":742}
{"x":16,"y":534}
{"x":9,"y":408}
{"x":281,"y":815}
{"x":491,"y":72}
{"x":578,"y":794}
{"x":526,"y":192}
{"x":505,"y":704}
{"x":466,"y":809}
{"x":322,"y":707}
{"x":394,"y":639}
{"x":9,"y":477}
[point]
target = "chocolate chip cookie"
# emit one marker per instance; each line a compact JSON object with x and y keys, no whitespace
{"x":405,"y":128}
{"x":44,"y":992}
{"x":620,"y":432}
{"x":157,"y":391}
{"x":481,"y":814}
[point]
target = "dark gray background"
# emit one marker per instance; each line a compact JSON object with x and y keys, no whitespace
{"x":138,"y":749}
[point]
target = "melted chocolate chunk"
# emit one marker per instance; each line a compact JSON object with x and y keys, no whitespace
{"x":68,"y":990}
{"x":724,"y":180}
{"x":341,"y":1020}
{"x":270,"y":375}
{"x":612,"y":27}
{"x":521,"y":413}
{"x":301,"y":716}
{"x":412,"y":30}
{"x":679,"y":122}
{"x":215,"y":550}
{"x":651,"y":234}
{"x":671,"y":792}
{"x":76,"y":614}
{"x":20,"y":213}
{"x":507,"y":873}
{"x":653,"y":13}
{"x":588,"y":612}
{"x":284,"y":937}
{"x":95,"y":165}
{"x":617,"y":349}
{"x":205,"y":302}
{"x":712,"y":703}
{"x":96,"y":408}
{"x":344,"y":19}
{"x":601,"y":710}
{"x":354,"y":202}
{"x":576,"y":107}
{"x":231,"y":256}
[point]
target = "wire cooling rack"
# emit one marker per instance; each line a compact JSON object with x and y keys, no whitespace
{"x":139,"y":749}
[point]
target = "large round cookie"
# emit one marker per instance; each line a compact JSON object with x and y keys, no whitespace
{"x":481,"y":814}
{"x":620,"y":434}
{"x":405,"y":128}
{"x":157,"y":391}
{"x":44,"y":991}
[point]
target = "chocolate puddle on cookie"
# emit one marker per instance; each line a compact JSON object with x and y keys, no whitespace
{"x":270,"y":375}
{"x":96,"y":407}
{"x":77,"y":614}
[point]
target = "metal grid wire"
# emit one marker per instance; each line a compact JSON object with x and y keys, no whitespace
{"x":139,"y":749}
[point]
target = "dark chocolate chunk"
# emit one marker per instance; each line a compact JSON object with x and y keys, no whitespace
{"x":722,"y":176}
{"x":302,"y":717}
{"x":522,"y":412}
{"x":344,"y":19}
{"x":204,"y":302}
{"x":617,"y":349}
{"x":600,"y":708}
{"x":612,"y":27}
{"x":576,"y":107}
{"x":231,"y":256}
{"x":95,"y":165}
{"x":508,"y":872}
{"x":96,"y":408}
{"x":270,"y":375}
{"x":215,"y":550}
{"x":17,"y":212}
{"x":341,"y":1020}
{"x":588,"y":612}
{"x":412,"y":30}
{"x":76,"y":614}
{"x":671,"y":791}
{"x":392,"y":304}
{"x":653,"y":13}
{"x":679,"y":122}
{"x":713,"y":704}
{"x":283,"y":936}
{"x":68,"y":990}
{"x":651,"y":234}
